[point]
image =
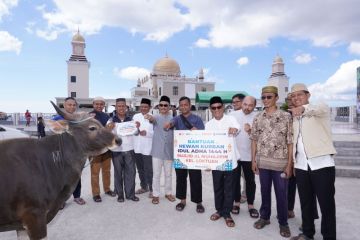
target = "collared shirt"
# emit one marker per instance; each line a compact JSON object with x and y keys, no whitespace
{"x":143,"y":144}
{"x":225,"y":123}
{"x":243,"y":141}
{"x":272,"y":133}
{"x":192,"y":118}
{"x":315,"y":163}
{"x":163,"y":140}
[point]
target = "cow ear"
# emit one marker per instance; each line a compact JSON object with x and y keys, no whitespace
{"x":57,"y":127}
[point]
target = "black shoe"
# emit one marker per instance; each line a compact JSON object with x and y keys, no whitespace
{"x":120,"y":199}
{"x":97,"y":198}
{"x":111,"y":193}
{"x":134,"y":198}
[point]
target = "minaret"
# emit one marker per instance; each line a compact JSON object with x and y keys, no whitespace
{"x":279,"y":79}
{"x":201,"y":75}
{"x":78,"y":69}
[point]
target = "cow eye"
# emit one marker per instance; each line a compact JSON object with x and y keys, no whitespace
{"x":92,"y":128}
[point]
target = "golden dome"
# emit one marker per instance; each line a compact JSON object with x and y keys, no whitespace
{"x":78,"y":38}
{"x":278,"y":59}
{"x":166,"y":66}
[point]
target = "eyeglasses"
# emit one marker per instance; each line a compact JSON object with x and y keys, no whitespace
{"x":163,"y":105}
{"x":266,"y":97}
{"x":218,"y":108}
{"x":234,"y":102}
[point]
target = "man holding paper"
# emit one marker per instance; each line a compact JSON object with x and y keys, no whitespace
{"x":222,"y":180}
{"x":123,"y":156}
{"x":187,"y":121}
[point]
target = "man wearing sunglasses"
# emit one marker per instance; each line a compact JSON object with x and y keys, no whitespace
{"x":222,"y":180}
{"x":271,"y":154}
{"x":314,"y":163}
{"x":162,"y":150}
{"x":187,"y":121}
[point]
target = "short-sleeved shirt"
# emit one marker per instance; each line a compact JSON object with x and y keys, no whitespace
{"x":163,"y":140}
{"x":272,"y":133}
{"x":193,"y":119}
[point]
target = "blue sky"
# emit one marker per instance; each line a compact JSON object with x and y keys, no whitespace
{"x":235,"y":41}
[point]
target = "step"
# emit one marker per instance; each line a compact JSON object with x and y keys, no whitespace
{"x":348,"y":171}
{"x":346,"y":151}
{"x":347,"y":160}
{"x":347,"y":144}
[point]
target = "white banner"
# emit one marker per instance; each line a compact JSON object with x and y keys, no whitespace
{"x":201,"y":149}
{"x":125,"y":128}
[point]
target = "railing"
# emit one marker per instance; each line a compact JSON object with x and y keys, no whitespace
{"x":19,"y":118}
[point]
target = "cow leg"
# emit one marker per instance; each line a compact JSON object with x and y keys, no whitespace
{"x":35,"y":223}
{"x":22,"y":235}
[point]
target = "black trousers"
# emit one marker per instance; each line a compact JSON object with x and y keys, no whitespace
{"x":223,"y":191}
{"x":249,"y":179}
{"x":195,"y":184}
{"x":77,"y":191}
{"x":145,"y":170}
{"x":320,"y":183}
{"x":291,"y":193}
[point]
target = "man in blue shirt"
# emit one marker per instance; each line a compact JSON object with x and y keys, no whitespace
{"x":187,"y":121}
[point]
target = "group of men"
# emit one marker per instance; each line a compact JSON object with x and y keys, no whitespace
{"x":273,"y":143}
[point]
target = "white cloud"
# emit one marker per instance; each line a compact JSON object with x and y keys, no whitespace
{"x":156,"y":20}
{"x":304,"y":58}
{"x":339,"y":87}
{"x":233,"y":25}
{"x":354,"y":48}
{"x":5,"y":6}
{"x":242,"y":61}
{"x":131,"y":73}
{"x":9,"y":43}
{"x":202,"y":43}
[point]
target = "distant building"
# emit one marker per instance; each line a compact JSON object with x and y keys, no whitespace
{"x":166,"y":79}
{"x":279,"y":79}
{"x":78,"y":69}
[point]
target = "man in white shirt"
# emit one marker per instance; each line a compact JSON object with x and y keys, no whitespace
{"x":314,"y":162}
{"x":245,"y":118}
{"x":222,"y":180}
{"x":142,"y":147}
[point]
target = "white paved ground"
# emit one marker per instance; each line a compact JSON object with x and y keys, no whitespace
{"x":111,"y":220}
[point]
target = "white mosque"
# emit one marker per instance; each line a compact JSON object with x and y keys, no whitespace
{"x":165,"y":79}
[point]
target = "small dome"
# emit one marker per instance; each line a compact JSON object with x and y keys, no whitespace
{"x":278,"y":59}
{"x":166,"y":66}
{"x":78,"y":38}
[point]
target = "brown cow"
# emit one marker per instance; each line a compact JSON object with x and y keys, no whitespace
{"x":38,"y":175}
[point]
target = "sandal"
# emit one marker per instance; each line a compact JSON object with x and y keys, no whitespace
{"x":97,"y":198}
{"x":140,"y":191}
{"x":79,"y":201}
{"x":155,"y":200}
{"x":291,"y":214}
{"x":285,"y":231}
{"x":215,"y":216}
{"x":110,"y":193}
{"x":235,"y":210}
{"x":170,"y":197}
{"x":301,"y":237}
{"x":253,"y":213}
{"x":180,"y":206}
{"x":261,"y":223}
{"x":229,"y":222}
{"x":200,"y":208}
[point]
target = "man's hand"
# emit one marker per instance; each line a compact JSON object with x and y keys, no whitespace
{"x":288,"y":170}
{"x":137,"y":124}
{"x":297,"y":111}
{"x":142,"y":133}
{"x":232,"y":131}
{"x":167,"y":125}
{"x":254,"y":167}
{"x":110,"y":126}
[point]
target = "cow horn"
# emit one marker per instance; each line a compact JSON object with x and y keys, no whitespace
{"x":64,"y":114}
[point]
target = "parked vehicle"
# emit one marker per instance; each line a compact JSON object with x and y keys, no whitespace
{"x":8,"y":133}
{"x":3,"y":116}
